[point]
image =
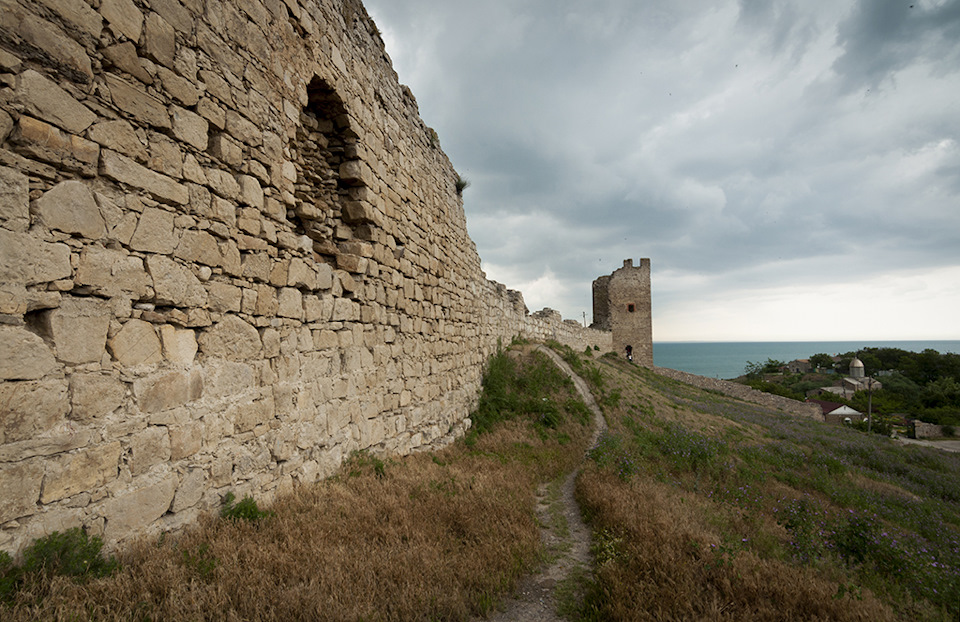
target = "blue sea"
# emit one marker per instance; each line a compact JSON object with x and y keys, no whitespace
{"x":728,"y":359}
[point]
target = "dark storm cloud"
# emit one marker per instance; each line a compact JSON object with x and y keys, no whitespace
{"x":883,"y":36}
{"x":751,"y":148}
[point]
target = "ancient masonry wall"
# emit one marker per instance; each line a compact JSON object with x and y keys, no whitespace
{"x":231,"y":253}
{"x":743,"y":392}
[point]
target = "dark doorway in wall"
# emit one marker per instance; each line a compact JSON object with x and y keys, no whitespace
{"x":324,"y":141}
{"x":631,"y":308}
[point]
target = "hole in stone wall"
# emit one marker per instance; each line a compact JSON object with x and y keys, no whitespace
{"x":630,"y":308}
{"x":324,"y":141}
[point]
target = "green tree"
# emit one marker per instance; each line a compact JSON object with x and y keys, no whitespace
{"x":943,"y":392}
{"x":821,"y":361}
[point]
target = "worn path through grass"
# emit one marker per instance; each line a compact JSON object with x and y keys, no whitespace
{"x":565,"y":537}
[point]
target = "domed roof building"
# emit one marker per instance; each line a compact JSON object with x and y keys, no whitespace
{"x":856,"y":368}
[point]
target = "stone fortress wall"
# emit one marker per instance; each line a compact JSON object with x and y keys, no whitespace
{"x":231,"y":253}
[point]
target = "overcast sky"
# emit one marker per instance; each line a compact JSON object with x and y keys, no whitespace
{"x":791,"y":167}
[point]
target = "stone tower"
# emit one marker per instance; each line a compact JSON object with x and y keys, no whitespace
{"x":621,"y":304}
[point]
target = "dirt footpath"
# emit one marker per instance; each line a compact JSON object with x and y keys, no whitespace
{"x":565,"y":537}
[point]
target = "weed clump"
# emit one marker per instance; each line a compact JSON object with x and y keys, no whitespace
{"x":72,"y":553}
{"x":244,"y":510}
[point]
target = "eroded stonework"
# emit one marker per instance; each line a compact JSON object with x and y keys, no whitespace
{"x":231,"y":254}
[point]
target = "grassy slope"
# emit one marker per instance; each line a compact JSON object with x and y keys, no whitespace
{"x":710,"y":508}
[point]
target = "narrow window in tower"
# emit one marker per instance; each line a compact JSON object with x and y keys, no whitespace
{"x":630,"y":307}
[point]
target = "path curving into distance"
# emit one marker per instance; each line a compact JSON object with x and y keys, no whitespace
{"x":562,"y":531}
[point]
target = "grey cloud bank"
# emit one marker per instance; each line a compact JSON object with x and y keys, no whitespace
{"x":792,"y":168}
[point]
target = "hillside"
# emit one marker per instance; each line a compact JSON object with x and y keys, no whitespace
{"x":700,"y":506}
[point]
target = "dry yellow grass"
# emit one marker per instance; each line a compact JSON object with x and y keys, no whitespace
{"x":667,"y":562}
{"x":667,"y":549}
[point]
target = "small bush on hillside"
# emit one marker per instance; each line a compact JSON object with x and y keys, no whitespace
{"x":71,"y":553}
{"x":246,"y":509}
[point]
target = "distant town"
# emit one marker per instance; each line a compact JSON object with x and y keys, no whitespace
{"x":883,"y":390}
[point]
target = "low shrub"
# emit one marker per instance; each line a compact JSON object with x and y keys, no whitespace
{"x":72,"y":553}
{"x":244,"y":510}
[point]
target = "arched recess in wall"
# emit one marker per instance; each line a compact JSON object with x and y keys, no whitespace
{"x":325,"y":141}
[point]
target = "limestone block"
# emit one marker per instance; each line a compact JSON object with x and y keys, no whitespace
{"x":266,"y":301}
{"x":112,"y":273}
{"x":185,"y":439}
{"x":290,"y":302}
{"x":301,"y":274}
{"x":79,"y":329}
{"x":324,"y":276}
{"x":123,"y":169}
{"x":356,"y":173}
{"x":325,"y":339}
{"x":226,"y":149}
{"x":14,"y":201}
{"x":134,"y":509}
{"x":192,"y":171}
{"x":223,"y":210}
{"x":165,"y":156}
{"x":223,"y":183}
{"x":118,"y":136}
{"x":124,"y":56}
{"x":160,"y":40}
{"x":136,"y":344}
{"x":198,"y":247}
{"x":174,"y":284}
{"x":80,"y":471}
{"x":154,"y":233}
{"x":63,"y":50}
{"x":190,"y":490}
{"x":26,"y":260}
{"x":224,"y":378}
{"x":345,"y":310}
{"x":312,"y":309}
{"x":69,"y":207}
{"x":181,"y":89}
{"x":26,"y":356}
{"x":78,"y":13}
{"x":191,"y":128}
{"x":359,"y":212}
{"x":230,"y":257}
{"x":20,"y":485}
{"x":271,"y":342}
{"x":137,"y":103}
{"x":62,"y":438}
{"x":164,"y":391}
{"x":243,"y":130}
{"x":250,"y":191}
{"x":352,"y":263}
{"x":124,"y":18}
{"x":41,"y":141}
{"x":95,"y":395}
{"x":231,"y":338}
{"x":223,"y":297}
{"x":147,"y":448}
{"x":246,"y":417}
{"x":175,"y":14}
{"x":31,"y":408}
{"x":278,"y":272}
{"x":179,"y":345}
{"x":256,"y":266}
